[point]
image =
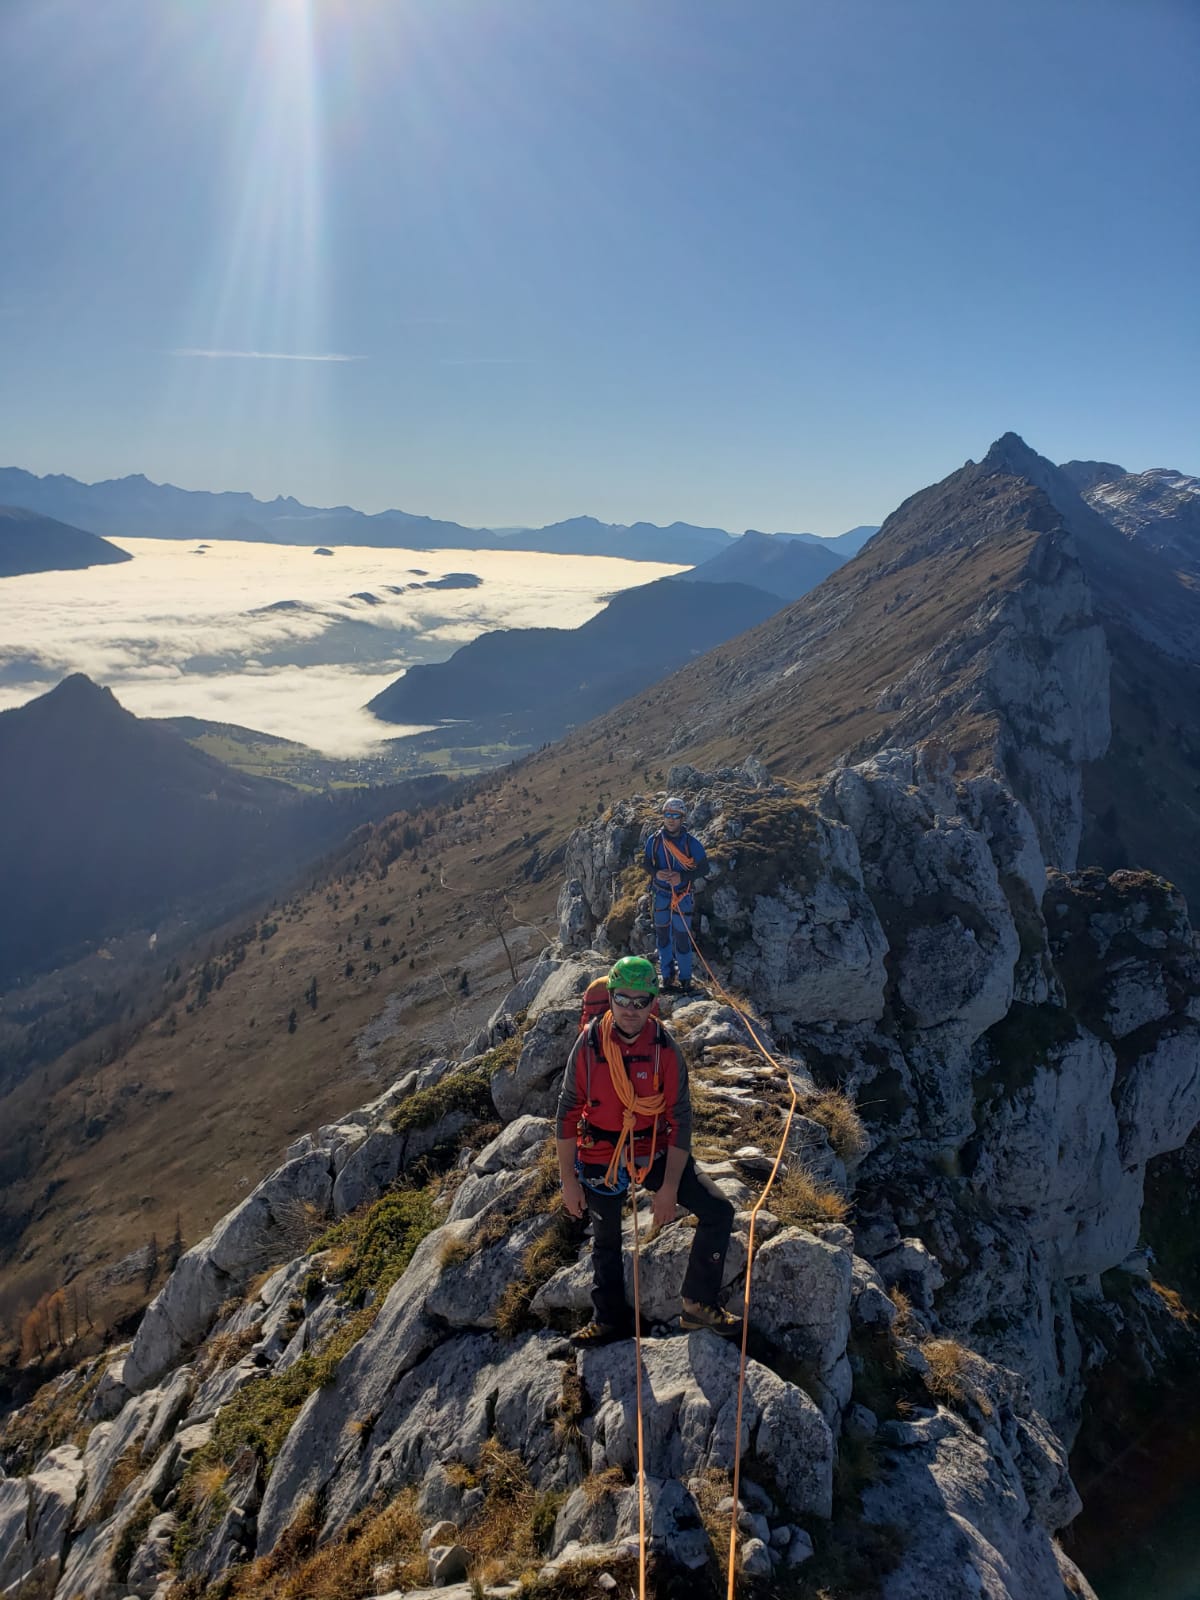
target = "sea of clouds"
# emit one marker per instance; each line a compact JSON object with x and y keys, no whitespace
{"x":190,"y":630}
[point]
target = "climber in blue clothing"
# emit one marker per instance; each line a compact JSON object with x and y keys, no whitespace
{"x":674,"y":859}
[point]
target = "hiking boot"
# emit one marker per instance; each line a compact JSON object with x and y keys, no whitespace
{"x":686,"y":986}
{"x":593,"y":1334}
{"x":694,"y":1316}
{"x":669,"y":985}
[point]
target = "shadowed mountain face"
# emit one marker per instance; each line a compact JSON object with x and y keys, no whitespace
{"x":108,"y":822}
{"x":531,"y":684}
{"x":786,"y":567}
{"x":32,"y":543}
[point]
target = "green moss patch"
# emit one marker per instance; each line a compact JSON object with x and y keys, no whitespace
{"x":776,"y":840}
{"x":468,"y":1092}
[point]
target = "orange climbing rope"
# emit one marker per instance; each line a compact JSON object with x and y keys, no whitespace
{"x":637,"y":1343}
{"x":724,"y":994}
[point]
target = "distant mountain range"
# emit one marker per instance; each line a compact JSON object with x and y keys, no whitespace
{"x":134,"y":507}
{"x":33,"y":543}
{"x":527,"y":685}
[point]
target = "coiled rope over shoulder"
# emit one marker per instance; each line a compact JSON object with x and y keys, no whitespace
{"x":633,"y":1107}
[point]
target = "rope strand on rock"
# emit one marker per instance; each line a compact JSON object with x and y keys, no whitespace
{"x":777,"y":1066}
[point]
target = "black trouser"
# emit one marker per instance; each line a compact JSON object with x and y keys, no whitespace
{"x":714,"y":1223}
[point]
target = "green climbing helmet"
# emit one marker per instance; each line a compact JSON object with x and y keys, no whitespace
{"x":635,"y":974}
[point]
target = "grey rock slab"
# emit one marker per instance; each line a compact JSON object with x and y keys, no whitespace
{"x":368,"y":1170}
{"x":448,"y":1563}
{"x":799,"y":1550}
{"x":480,"y":1193}
{"x":453,"y":1591}
{"x":152,"y":1559}
{"x":36,"y":1512}
{"x":515,"y":1147}
{"x":216,"y":1391}
{"x":107,"y":1443}
{"x":970,"y":1530}
{"x":755,"y":1559}
{"x":689,"y":1407}
{"x":672,"y":1522}
{"x":1158,"y":1103}
{"x":431,"y":1398}
{"x":870,"y":1304}
{"x":469,"y":1389}
{"x":532,"y":1086}
{"x":800,"y":1296}
{"x":271,"y":1219}
{"x":564,"y":986}
{"x":468,"y":1295}
{"x":172,"y":1405}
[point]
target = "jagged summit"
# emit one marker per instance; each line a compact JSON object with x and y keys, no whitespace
{"x":935,"y":625}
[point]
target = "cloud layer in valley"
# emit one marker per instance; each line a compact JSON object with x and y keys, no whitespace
{"x":276,"y":637}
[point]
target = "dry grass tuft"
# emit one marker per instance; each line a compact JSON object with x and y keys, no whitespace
{"x":570,"y":1408}
{"x":598,"y":1486}
{"x":951,"y":1376}
{"x":837,"y":1114}
{"x":714,"y":1487}
{"x":797,"y":1199}
{"x":455,"y":1251}
{"x":225,"y":1350}
{"x":343,"y":1569}
{"x":515,"y":1523}
{"x":904,"y":1323}
{"x":1173,"y":1301}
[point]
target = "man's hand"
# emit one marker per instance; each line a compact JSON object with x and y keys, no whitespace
{"x":672,"y":878}
{"x":573,"y":1196}
{"x":666,"y":1202}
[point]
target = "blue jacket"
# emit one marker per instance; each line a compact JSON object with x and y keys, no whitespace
{"x":659,"y":859}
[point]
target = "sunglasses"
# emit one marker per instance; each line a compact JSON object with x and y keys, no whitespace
{"x":635,"y":1002}
{"x":674,"y":816}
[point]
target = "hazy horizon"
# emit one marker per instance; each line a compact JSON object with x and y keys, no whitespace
{"x":506,"y":263}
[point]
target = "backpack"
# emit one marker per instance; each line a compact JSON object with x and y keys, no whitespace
{"x":595,"y":1003}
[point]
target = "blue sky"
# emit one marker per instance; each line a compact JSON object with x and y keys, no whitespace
{"x":775,"y":264}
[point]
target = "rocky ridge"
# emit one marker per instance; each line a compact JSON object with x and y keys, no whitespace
{"x":367,"y":1354}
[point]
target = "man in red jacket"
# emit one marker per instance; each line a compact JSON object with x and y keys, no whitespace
{"x":625,"y":1099}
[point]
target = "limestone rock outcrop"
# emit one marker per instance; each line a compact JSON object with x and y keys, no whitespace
{"x":1019,"y":1043}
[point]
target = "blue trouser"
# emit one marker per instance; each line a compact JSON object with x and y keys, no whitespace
{"x":672,"y":932}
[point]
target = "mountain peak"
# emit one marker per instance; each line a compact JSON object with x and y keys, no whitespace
{"x":77,"y":695}
{"x":1011,"y":454}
